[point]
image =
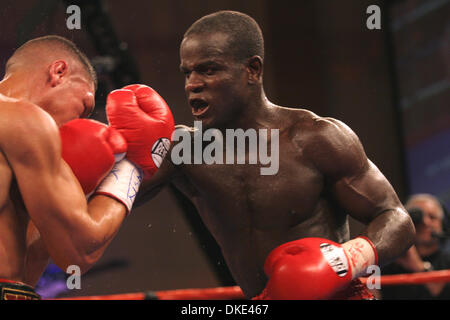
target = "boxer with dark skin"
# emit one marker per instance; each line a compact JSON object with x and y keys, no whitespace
{"x":324,"y":174}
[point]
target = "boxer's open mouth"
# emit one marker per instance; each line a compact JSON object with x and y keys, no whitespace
{"x":199,"y":106}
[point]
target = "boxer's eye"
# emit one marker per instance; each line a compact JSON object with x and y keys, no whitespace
{"x":185,"y":72}
{"x":210,"y":71}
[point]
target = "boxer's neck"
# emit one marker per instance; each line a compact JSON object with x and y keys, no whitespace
{"x":16,"y":87}
{"x":258,"y":113}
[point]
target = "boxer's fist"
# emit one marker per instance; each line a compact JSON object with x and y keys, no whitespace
{"x":140,"y":114}
{"x":89,"y":147}
{"x":315,"y":268}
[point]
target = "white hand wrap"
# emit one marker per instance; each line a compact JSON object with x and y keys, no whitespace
{"x":122,"y":183}
{"x":361,"y":254}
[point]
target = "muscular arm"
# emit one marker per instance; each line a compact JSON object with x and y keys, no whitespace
{"x":361,"y":189}
{"x":72,"y":231}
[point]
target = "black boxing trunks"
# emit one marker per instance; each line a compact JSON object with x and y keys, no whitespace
{"x":13,"y":290}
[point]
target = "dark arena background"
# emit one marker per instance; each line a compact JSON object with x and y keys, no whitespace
{"x":390,"y":85}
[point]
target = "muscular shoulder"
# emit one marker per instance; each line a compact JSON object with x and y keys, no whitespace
{"x":24,"y":126}
{"x":332,"y":146}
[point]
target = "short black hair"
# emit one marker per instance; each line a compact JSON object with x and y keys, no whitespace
{"x":245,"y":35}
{"x":68,"y":46}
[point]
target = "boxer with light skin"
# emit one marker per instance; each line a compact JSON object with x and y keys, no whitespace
{"x":44,"y":213}
{"x":280,"y":234}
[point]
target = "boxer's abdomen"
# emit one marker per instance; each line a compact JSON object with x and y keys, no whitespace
{"x":250,"y":214}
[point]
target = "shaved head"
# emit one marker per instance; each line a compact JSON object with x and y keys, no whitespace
{"x":245,"y":35}
{"x":47,"y":49}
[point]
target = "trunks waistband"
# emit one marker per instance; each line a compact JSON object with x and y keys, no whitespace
{"x":14,"y":290}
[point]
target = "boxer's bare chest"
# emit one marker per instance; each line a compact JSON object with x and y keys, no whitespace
{"x":11,"y":202}
{"x":237,"y":196}
{"x":9,"y":190}
{"x":13,"y":223}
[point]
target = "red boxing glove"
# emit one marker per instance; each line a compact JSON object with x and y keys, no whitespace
{"x":315,"y":268}
{"x":89,"y":147}
{"x":140,"y":114}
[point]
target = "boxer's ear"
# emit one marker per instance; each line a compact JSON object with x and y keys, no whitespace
{"x":255,"y":70}
{"x":57,"y":71}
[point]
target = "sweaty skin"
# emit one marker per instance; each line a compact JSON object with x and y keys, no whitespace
{"x":41,"y":204}
{"x":43,"y":210}
{"x":324,"y":175}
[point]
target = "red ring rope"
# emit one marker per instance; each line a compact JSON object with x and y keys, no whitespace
{"x":414,"y":278}
{"x":235,"y":293}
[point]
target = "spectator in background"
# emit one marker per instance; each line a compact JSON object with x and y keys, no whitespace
{"x":430,"y":219}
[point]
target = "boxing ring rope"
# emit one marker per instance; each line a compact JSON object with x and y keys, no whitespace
{"x":413,"y":278}
{"x":220,"y":293}
{"x":235,"y":292}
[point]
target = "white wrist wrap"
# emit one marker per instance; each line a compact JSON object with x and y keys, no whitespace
{"x":122,"y":183}
{"x":360,"y":253}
